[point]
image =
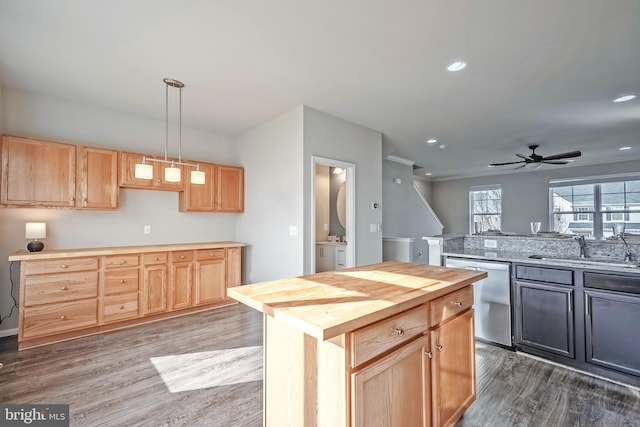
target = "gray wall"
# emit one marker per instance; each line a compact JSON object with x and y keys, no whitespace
{"x":331,"y":137}
{"x":525,"y":195}
{"x":404,"y":214}
{"x":273,"y":193}
{"x":35,"y":115}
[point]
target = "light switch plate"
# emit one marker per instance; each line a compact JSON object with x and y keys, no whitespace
{"x":293,"y":230}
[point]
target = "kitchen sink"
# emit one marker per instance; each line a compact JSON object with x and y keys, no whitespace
{"x":589,"y":261}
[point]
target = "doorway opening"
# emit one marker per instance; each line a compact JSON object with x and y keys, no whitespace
{"x":333,"y":229}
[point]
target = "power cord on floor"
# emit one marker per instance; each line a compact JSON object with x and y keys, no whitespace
{"x":15,"y":303}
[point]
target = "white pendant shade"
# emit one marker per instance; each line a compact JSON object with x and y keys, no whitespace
{"x":172,"y":174}
{"x":143,"y":171}
{"x":197,"y":177}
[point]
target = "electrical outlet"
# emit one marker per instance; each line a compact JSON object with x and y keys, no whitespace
{"x":147,"y":229}
{"x":490,"y":243}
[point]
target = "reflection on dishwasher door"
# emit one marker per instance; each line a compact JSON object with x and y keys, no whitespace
{"x":491,"y":300}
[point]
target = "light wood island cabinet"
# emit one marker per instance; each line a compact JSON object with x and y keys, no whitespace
{"x":388,"y":344}
{"x":66,"y":294}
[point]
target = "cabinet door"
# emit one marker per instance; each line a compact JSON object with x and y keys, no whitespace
{"x":234,"y":267}
{"x":393,"y":391}
{"x":229,"y":189}
{"x":611,"y":321}
{"x":154,"y":289}
{"x":38,"y":173}
{"x":453,"y":380}
{"x":544,"y":317}
{"x":199,"y":197}
{"x":128,"y":179}
{"x":97,"y":178}
{"x":210,"y":281}
{"x":181,"y":285}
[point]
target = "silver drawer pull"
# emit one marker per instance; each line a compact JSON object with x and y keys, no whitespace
{"x":121,"y":280}
{"x":399,"y":332}
{"x":439,"y":347}
{"x":156,"y":259}
{"x":123,"y":261}
{"x":210,"y":254}
{"x":458,"y":303}
{"x":181,"y":256}
{"x":64,"y":266}
{"x":64,"y":288}
{"x":62,"y":317}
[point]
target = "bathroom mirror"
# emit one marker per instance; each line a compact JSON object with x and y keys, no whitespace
{"x":341,"y":205}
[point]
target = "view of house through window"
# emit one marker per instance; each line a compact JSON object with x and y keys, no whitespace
{"x":485,"y":208}
{"x":591,"y":210}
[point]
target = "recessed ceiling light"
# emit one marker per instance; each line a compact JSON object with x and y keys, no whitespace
{"x":624,"y":148}
{"x":431,"y":141}
{"x":428,"y":173}
{"x":456,"y":66}
{"x":624,"y":98}
{"x":443,"y":146}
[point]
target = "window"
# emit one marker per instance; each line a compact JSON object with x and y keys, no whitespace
{"x":592,"y":209}
{"x":485,"y":205}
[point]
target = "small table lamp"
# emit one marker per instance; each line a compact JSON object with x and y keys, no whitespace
{"x":35,"y":231}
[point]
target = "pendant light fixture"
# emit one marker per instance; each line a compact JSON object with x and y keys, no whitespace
{"x":172,"y":173}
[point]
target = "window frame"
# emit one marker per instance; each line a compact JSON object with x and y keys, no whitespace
{"x":472,"y":214}
{"x":600,"y":213}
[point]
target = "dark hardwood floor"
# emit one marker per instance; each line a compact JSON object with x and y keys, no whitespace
{"x":205,"y":370}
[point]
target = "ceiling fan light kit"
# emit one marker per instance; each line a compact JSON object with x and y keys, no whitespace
{"x":535,"y":161}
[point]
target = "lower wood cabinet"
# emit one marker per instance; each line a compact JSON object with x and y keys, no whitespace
{"x":401,"y":381}
{"x":416,"y":368}
{"x":76,"y":294}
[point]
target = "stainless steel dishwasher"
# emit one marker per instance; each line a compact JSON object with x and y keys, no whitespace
{"x":491,"y":299}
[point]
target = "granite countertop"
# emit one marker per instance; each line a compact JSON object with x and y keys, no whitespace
{"x":331,"y":303}
{"x":601,"y":264}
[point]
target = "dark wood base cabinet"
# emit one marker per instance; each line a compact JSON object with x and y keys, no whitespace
{"x":585,"y":319}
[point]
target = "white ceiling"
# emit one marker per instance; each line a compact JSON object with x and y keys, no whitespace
{"x":539,"y":71}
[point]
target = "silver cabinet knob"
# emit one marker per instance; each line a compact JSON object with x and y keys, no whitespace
{"x":64,"y":266}
{"x":64,"y":288}
{"x":122,"y":307}
{"x":439,"y":347}
{"x":399,"y":332}
{"x":122,"y":261}
{"x":121,"y":280}
{"x":62,"y":317}
{"x":458,"y":303}
{"x":428,"y":354}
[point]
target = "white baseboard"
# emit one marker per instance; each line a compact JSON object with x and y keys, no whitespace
{"x":8,"y":332}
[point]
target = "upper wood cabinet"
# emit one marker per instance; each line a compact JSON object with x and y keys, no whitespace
{"x":97,"y":185}
{"x":223,"y":190}
{"x":128,"y":163}
{"x":230,"y":189}
{"x":38,"y":173}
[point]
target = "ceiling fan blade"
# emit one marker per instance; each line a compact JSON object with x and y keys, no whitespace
{"x":519,"y":167}
{"x":522,"y":156}
{"x":555,"y":162}
{"x":507,"y":163}
{"x":568,"y":155}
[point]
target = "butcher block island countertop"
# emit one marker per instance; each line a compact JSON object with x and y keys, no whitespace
{"x":332,"y":341}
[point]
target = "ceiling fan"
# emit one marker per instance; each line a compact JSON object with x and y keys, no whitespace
{"x":535,"y":161}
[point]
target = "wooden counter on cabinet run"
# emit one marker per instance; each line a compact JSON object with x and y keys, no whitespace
{"x":389,"y":344}
{"x":70,"y":293}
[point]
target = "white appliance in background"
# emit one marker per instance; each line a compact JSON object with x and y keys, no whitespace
{"x":491,"y":299}
{"x":434,"y":248}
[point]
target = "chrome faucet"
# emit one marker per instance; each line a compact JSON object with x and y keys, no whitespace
{"x":583,"y":246}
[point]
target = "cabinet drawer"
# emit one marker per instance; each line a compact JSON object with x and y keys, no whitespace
{"x":375,"y":339}
{"x":611,"y":282}
{"x":544,"y":274}
{"x":182,"y":256}
{"x":114,"y":261}
{"x":341,"y":254}
{"x":121,"y":281}
{"x":120,"y":307}
{"x":210,"y":254}
{"x":155,"y":258}
{"x":451,"y":304}
{"x":62,"y":265}
{"x":60,"y":287}
{"x":61,"y":317}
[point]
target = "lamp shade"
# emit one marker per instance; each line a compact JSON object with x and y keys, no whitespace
{"x":35,"y":230}
{"x":197,"y":177}
{"x":172,"y":174}
{"x":143,"y":171}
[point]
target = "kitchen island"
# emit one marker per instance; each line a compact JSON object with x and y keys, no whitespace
{"x":389,"y":344}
